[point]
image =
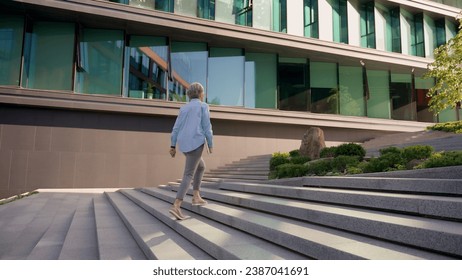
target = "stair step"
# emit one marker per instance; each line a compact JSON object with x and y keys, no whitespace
{"x":114,"y":239}
{"x":237,"y":176}
{"x":81,"y":241}
{"x":219,"y":241}
{"x":50,"y":245}
{"x":216,"y":180}
{"x":445,"y":187}
{"x":157,"y":240}
{"x":429,"y":234}
{"x":258,"y":159}
{"x":258,"y":165}
{"x":423,"y":205}
{"x":240,"y":169}
{"x":237,"y":172}
{"x":315,"y":241}
{"x":20,"y":234}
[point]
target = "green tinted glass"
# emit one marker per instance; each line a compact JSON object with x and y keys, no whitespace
{"x":11,"y":40}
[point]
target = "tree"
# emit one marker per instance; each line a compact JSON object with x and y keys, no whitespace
{"x":447,"y":71}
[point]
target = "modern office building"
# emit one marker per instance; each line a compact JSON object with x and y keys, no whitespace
{"x":89,"y":89}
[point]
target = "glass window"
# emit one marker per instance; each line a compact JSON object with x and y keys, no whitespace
{"x":378,"y":105}
{"x":324,"y":87}
{"x":400,"y":96}
{"x":280,"y":15}
{"x":11,"y":40}
{"x":163,"y":5}
{"x":448,"y":115}
{"x":249,"y":82}
{"x":224,"y":11}
{"x":226,"y":77}
{"x":340,"y":21}
{"x":311,"y":18}
{"x":146,"y":4}
{"x":243,"y":10}
{"x":186,"y":7}
{"x":99,"y":62}
{"x":440,"y":32}
{"x":265,"y":79}
{"x":50,"y":56}
{"x":451,"y":30}
{"x":351,"y":91}
{"x":189,"y":64}
{"x":234,"y":11}
{"x":148,"y":66}
{"x":206,"y":9}
{"x":417,"y":36}
{"x":422,"y":87}
{"x":261,"y":13}
{"x":368,"y":25}
{"x":294,"y":84}
{"x":395,"y":24}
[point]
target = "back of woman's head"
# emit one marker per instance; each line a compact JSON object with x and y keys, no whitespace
{"x":195,"y":90}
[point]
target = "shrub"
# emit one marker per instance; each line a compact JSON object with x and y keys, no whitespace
{"x":328,"y":152}
{"x":443,"y":159}
{"x":289,"y":170}
{"x":417,"y":152}
{"x":354,"y":170}
{"x":299,"y":159}
{"x":376,"y":165}
{"x":294,"y":153}
{"x":455,"y":127}
{"x":390,"y":158}
{"x":273,"y":174}
{"x":350,"y":149}
{"x":341,"y":163}
{"x":278,"y":159}
{"x":319,"y":167}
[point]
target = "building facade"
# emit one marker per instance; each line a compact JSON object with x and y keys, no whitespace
{"x":89,"y":89}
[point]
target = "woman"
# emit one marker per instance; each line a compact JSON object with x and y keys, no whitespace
{"x":192,"y":130}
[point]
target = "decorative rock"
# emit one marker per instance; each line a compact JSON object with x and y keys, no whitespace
{"x":312,"y":143}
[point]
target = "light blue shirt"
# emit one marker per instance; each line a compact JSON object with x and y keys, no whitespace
{"x":192,"y":127}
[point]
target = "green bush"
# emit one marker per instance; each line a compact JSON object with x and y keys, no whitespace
{"x":294,"y":153}
{"x":455,"y":127}
{"x":273,"y":174}
{"x":417,"y":152}
{"x":375,"y":165}
{"x":341,"y":163}
{"x":443,"y":159}
{"x":350,"y":149}
{"x":299,"y":159}
{"x":290,"y":170}
{"x":328,"y":152}
{"x":319,"y":167}
{"x":393,"y":158}
{"x":278,"y":159}
{"x":354,"y":170}
{"x":348,"y":159}
{"x":390,"y":159}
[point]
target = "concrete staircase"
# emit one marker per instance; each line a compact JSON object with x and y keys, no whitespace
{"x":304,"y":218}
{"x":253,"y":168}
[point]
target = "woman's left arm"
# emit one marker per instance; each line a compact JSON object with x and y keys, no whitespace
{"x":206,"y":125}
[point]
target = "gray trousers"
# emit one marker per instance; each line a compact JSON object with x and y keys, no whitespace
{"x":193,"y":171}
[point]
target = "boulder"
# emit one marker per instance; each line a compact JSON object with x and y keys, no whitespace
{"x":312,"y":143}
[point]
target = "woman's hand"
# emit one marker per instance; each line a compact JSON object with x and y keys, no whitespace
{"x":172,"y":152}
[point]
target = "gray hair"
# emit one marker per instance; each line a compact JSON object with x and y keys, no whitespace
{"x":195,"y":90}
